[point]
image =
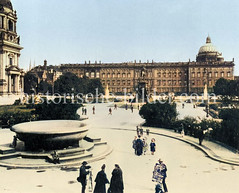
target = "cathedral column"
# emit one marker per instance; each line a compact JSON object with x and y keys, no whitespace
{"x":9,"y":84}
{"x":17,"y":84}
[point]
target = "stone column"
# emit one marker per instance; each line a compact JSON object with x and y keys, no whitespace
{"x":22,"y":81}
{"x":9,"y":84}
{"x":17,"y":84}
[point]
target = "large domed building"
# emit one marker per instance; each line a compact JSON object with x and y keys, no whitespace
{"x":177,"y":77}
{"x":11,"y":76}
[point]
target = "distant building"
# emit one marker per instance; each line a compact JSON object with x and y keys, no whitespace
{"x":11,"y":76}
{"x":46,"y":73}
{"x":177,"y":77}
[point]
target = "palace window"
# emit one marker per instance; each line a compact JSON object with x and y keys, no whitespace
{"x":123,"y":82}
{"x":129,"y":75}
{"x":210,"y":82}
{"x":97,"y":75}
{"x":174,"y":82}
{"x":123,"y":75}
{"x":108,"y":75}
{"x":216,"y":74}
{"x":193,"y":83}
{"x":180,"y":74}
{"x":128,"y":82}
{"x":159,"y":74}
{"x":159,"y":82}
{"x":164,"y":75}
{"x":193,"y":74}
{"x":113,"y":75}
{"x":118,"y":75}
{"x":103,"y":75}
{"x":222,"y":74}
{"x":87,"y":74}
{"x":92,"y":74}
{"x":228,"y":74}
{"x":175,"y":74}
{"x":199,"y":74}
{"x":180,"y":82}
{"x":169,"y":82}
{"x":113,"y":82}
{"x":164,"y":83}
{"x":118,"y":82}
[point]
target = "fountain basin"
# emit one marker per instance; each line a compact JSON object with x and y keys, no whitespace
{"x":50,"y":135}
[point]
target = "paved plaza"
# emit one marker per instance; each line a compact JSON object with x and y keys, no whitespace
{"x":189,"y":169}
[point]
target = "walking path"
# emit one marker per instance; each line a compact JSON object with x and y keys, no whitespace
{"x":189,"y":170}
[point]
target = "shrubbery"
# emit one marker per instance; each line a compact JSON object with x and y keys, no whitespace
{"x":159,"y":115}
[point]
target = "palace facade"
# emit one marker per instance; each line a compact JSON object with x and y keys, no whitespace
{"x":11,"y":76}
{"x":177,"y":77}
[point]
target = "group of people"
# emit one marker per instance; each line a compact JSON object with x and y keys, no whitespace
{"x":159,"y":176}
{"x":141,"y":146}
{"x":116,"y":182}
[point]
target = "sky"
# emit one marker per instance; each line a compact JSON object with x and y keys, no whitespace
{"x":75,"y":31}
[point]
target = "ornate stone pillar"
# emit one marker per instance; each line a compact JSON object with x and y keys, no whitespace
{"x":17,"y":84}
{"x":9,"y":84}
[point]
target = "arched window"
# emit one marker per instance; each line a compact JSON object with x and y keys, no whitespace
{"x":10,"y":25}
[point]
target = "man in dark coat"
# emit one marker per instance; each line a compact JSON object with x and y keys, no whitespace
{"x":101,"y":180}
{"x":116,"y":182}
{"x":139,"y":146}
{"x":83,"y":174}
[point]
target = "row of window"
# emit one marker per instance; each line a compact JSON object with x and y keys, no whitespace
{"x":210,"y":74}
{"x":117,"y":83}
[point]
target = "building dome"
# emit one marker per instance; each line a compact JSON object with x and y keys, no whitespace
{"x":6,"y":3}
{"x":208,"y":47}
{"x":209,"y":52}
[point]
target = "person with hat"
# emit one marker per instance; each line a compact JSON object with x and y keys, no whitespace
{"x":159,"y":175}
{"x":101,"y":180}
{"x":116,"y":182}
{"x":83,"y":174}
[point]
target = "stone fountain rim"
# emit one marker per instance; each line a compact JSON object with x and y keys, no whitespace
{"x":51,"y":127}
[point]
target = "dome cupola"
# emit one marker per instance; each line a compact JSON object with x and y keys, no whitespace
{"x":209,"y":52}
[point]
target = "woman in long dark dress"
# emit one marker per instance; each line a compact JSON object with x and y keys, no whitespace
{"x":116,"y":182}
{"x":101,"y":180}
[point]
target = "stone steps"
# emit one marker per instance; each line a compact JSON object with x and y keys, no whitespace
{"x":9,"y":155}
{"x":6,"y":150}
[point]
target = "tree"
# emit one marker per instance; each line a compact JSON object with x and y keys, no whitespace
{"x":44,"y":87}
{"x":159,"y":114}
{"x":57,"y":110}
{"x":67,"y":83}
{"x":30,"y":83}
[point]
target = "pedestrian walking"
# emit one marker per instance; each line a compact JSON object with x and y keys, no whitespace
{"x":134,"y":145}
{"x":158,"y":178}
{"x":147,"y":131}
{"x":152,"y":146}
{"x":183,"y":105}
{"x":141,"y":130}
{"x":110,"y":111}
{"x":137,"y":130}
{"x":116,"y":182}
{"x":139,"y":146}
{"x":145,"y":147}
{"x":93,"y":109}
{"x":83,"y":110}
{"x":163,"y":170}
{"x":138,"y":107}
{"x":100,"y":181}
{"x":115,"y":107}
{"x":83,"y":174}
{"x":126,"y":106}
{"x":132,"y":108}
